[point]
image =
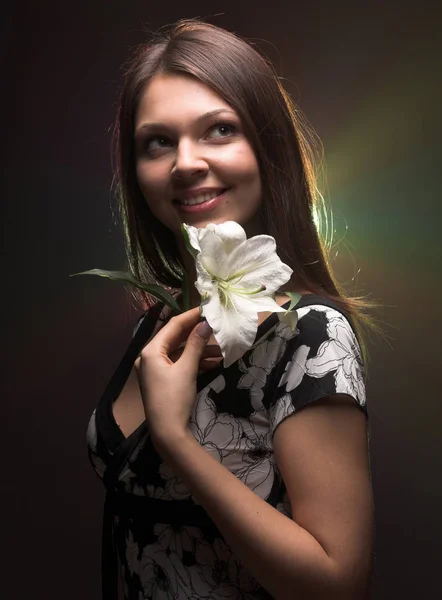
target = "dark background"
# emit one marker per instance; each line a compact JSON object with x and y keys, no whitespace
{"x":367,"y":75}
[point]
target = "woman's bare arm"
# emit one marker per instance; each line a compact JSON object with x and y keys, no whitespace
{"x":326,"y":550}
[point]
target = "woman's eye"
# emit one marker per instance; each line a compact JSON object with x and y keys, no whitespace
{"x":222,"y":130}
{"x":156,"y":143}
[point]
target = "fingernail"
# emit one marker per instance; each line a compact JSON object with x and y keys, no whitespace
{"x":204,"y":330}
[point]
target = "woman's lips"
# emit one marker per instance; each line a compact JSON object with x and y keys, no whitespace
{"x":204,"y":206}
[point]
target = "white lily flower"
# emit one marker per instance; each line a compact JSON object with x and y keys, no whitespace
{"x":237,"y":278}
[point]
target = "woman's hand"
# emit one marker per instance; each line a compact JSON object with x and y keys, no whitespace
{"x":167,"y":372}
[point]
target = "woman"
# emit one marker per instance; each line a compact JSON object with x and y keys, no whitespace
{"x":250,"y":481}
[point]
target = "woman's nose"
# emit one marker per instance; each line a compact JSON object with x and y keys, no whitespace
{"x":188,"y":160}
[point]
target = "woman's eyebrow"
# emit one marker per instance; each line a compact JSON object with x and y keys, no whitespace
{"x":202,"y":117}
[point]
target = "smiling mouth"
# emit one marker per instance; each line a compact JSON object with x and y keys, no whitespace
{"x":201,"y":198}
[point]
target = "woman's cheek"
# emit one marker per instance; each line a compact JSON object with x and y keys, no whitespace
{"x":244,"y":164}
{"x":150,"y":180}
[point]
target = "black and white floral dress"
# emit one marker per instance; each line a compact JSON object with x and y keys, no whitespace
{"x":157,"y":540}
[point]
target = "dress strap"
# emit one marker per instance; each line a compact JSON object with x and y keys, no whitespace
{"x":109,"y":432}
{"x":109,"y":553}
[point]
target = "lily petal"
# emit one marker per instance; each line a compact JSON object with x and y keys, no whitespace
{"x":265,"y":304}
{"x":256,"y":261}
{"x":213,"y":256}
{"x":192,"y":232}
{"x":234,"y":326}
{"x":230,"y":232}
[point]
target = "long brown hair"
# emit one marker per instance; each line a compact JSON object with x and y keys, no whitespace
{"x":284,"y":144}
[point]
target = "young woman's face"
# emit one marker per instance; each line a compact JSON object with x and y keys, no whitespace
{"x":194,"y":164}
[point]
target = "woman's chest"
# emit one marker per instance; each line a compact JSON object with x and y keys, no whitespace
{"x":240,"y":440}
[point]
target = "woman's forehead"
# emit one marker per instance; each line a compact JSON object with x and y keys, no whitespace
{"x":177,"y":97}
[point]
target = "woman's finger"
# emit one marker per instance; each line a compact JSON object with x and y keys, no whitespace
{"x":175,"y":332}
{"x":207,"y":365}
{"x":212,"y":351}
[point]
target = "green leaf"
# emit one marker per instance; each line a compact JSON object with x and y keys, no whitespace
{"x":294,"y":297}
{"x":189,"y":246}
{"x":155,"y":290}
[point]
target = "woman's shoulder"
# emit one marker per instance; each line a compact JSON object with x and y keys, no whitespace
{"x":321,"y":319}
{"x":321,"y":307}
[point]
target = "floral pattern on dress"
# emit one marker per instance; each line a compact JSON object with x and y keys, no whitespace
{"x":331,"y":363}
{"x":234,"y":419}
{"x":162,"y":574}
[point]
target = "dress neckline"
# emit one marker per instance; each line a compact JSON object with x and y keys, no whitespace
{"x":204,"y":378}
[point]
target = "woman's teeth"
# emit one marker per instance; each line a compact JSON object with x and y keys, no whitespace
{"x":201,"y":198}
